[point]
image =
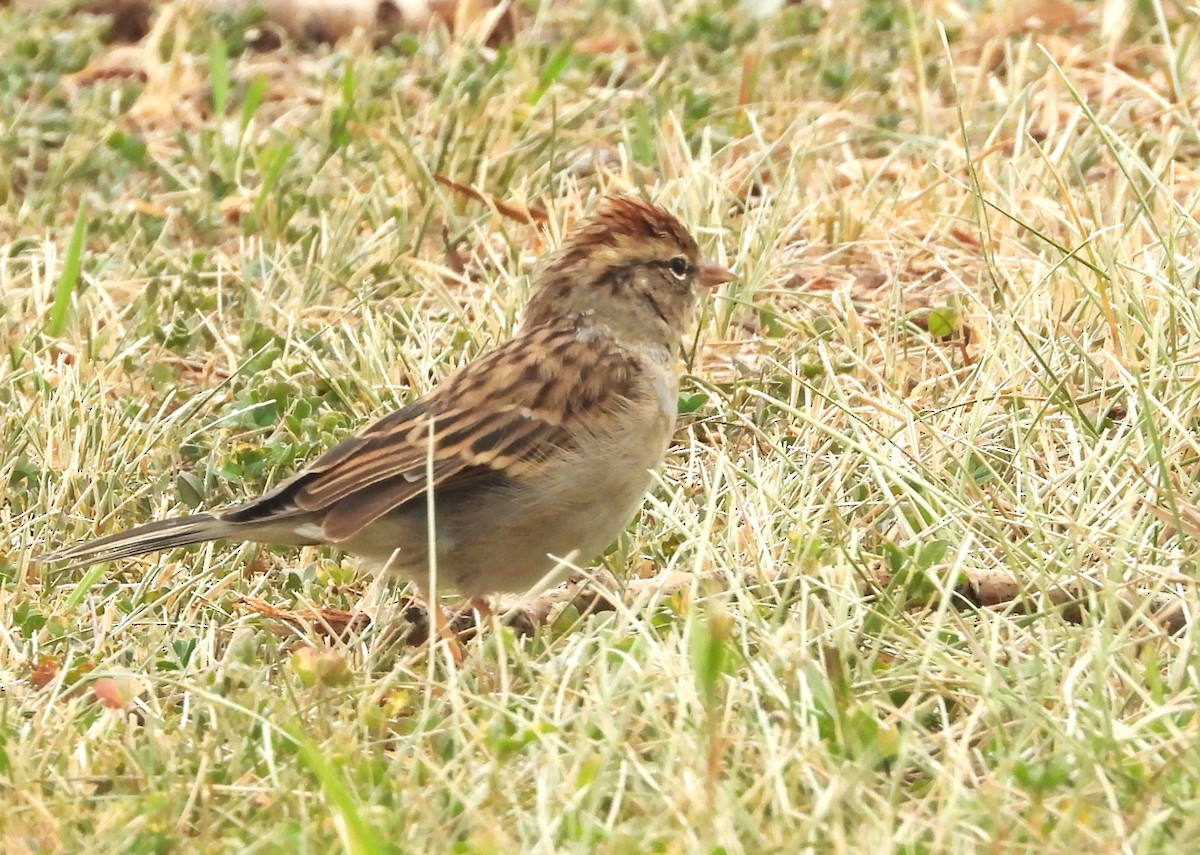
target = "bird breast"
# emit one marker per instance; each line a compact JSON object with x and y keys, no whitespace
{"x":584,"y":500}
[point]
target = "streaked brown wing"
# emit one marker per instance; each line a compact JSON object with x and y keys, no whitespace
{"x":498,"y":415}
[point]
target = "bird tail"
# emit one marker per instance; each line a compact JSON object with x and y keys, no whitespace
{"x":151,"y":537}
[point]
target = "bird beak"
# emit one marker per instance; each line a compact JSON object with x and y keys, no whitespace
{"x":713,"y":274}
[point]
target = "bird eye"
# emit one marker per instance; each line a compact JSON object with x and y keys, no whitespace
{"x":678,"y":266}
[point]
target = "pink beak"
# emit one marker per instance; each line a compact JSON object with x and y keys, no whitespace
{"x":713,"y":274}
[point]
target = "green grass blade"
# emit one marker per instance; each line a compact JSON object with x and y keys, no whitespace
{"x":85,"y":584}
{"x":70,"y":275}
{"x":358,"y":838}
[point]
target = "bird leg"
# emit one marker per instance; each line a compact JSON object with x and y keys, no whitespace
{"x":444,"y":621}
{"x":482,"y":608}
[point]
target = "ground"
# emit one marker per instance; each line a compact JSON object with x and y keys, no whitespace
{"x":962,"y":347}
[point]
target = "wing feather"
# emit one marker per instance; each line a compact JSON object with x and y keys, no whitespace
{"x":502,"y":413}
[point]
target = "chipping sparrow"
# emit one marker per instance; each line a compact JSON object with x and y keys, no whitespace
{"x":540,"y":450}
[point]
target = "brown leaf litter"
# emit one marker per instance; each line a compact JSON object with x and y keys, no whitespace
{"x":324,"y":21}
{"x":991,"y":589}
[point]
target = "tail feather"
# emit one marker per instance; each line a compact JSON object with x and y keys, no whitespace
{"x":151,"y":537}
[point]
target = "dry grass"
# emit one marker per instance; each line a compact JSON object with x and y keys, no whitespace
{"x":268,"y":262}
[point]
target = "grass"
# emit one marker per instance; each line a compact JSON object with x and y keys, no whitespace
{"x":963,"y":342}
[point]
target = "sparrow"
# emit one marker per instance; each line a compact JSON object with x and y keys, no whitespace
{"x":536,"y":454}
